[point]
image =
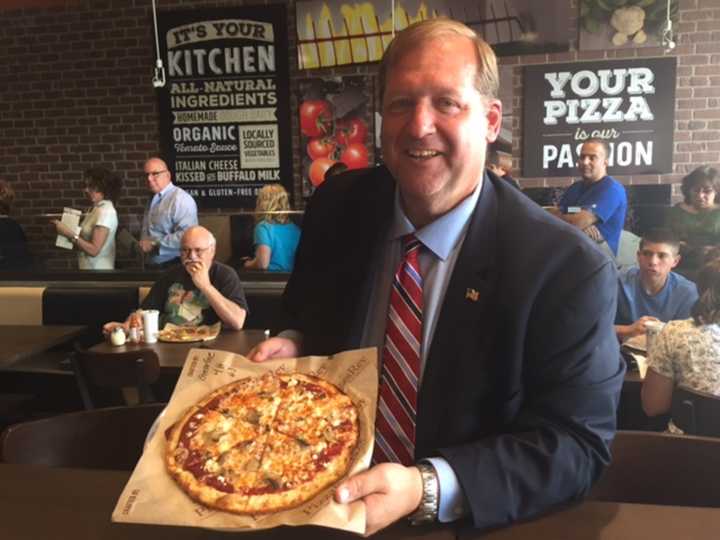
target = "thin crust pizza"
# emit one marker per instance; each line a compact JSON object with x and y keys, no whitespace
{"x":264,"y":444}
{"x":187,"y":334}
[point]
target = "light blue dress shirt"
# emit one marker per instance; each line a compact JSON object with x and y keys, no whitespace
{"x":442,"y":240}
{"x":167,"y":216}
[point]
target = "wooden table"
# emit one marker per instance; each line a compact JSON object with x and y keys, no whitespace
{"x":41,"y":502}
{"x":21,"y":342}
{"x":613,"y":521}
{"x":172,"y":355}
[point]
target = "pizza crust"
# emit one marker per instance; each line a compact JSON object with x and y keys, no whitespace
{"x":264,"y":444}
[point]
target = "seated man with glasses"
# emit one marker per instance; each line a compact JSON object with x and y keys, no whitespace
{"x":201,"y":291}
{"x":169,"y":212}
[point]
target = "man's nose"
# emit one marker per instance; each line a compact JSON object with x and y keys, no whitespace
{"x":422,"y":120}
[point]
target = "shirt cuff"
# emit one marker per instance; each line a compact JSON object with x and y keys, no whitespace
{"x":452,"y":499}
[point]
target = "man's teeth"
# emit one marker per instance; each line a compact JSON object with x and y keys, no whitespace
{"x":422,"y":153}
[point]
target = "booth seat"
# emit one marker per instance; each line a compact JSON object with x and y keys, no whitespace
{"x":92,"y":306}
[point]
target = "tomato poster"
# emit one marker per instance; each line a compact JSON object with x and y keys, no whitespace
{"x":336,"y":127}
{"x":225,"y":108}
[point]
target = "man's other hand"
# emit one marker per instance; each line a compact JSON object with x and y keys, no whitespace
{"x":390,"y":491}
{"x":147,"y":246}
{"x":276,"y":347}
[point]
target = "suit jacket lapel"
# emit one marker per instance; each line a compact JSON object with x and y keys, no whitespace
{"x":467,"y":307}
{"x":375,"y":204}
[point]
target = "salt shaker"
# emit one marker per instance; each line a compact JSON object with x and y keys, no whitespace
{"x":117,"y":336}
{"x":134,"y":335}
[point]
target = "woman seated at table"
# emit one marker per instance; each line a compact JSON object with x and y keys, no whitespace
{"x":686,"y":352}
{"x":276,"y":237}
{"x":96,"y":240}
{"x":696,"y":220}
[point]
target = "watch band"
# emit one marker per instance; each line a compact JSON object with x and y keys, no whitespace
{"x":427,"y":511}
{"x":75,"y":238}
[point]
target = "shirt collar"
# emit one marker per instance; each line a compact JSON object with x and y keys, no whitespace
{"x":441,"y":235}
{"x":167,"y":189}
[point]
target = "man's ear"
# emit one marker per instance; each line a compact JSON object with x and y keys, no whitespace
{"x":494,"y":119}
{"x":678,"y":257}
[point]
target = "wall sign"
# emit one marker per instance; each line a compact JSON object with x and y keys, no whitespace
{"x":629,"y":103}
{"x":224,"y":112}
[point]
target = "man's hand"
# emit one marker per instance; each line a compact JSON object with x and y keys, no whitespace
{"x":594,"y":233}
{"x":390,"y":491}
{"x":133,"y":321}
{"x":200,"y":274}
{"x":277,"y":347}
{"x":627,"y":331}
{"x":147,"y":246}
{"x":638,"y":327}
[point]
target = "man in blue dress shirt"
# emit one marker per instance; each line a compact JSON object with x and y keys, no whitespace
{"x":651,"y":291}
{"x":596,"y":204}
{"x":169,"y":213}
{"x":520,"y":370}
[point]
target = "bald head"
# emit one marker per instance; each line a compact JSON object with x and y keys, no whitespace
{"x":197,"y":244}
{"x":157,"y":174}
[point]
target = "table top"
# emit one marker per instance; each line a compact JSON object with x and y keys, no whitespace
{"x":612,"y":521}
{"x":77,"y":504}
{"x":172,"y":355}
{"x":20,"y":342}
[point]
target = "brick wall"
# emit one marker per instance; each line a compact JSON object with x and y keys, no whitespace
{"x":697,"y":95}
{"x":75,"y":92}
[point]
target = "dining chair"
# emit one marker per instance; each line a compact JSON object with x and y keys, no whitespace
{"x":696,"y":412}
{"x":111,"y":438}
{"x":97,"y":370}
{"x":661,"y":468}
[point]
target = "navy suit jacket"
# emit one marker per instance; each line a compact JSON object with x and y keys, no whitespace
{"x":523,"y":374}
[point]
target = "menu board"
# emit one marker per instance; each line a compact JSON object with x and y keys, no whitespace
{"x":628,"y":103}
{"x":224,"y":110}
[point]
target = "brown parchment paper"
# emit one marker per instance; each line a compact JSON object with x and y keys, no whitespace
{"x":152,"y":496}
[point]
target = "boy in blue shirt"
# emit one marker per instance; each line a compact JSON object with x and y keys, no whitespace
{"x":651,"y":291}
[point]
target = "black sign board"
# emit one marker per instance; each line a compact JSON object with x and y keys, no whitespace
{"x":225,"y":109}
{"x":629,"y":103}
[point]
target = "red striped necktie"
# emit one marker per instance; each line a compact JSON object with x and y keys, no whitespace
{"x":397,"y":402}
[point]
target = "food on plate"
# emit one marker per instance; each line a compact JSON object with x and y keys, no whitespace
{"x":264,"y":444}
{"x":182,"y":334}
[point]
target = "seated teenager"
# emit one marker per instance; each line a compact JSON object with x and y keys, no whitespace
{"x":651,"y":291}
{"x":200,"y":291}
{"x":686,"y":352}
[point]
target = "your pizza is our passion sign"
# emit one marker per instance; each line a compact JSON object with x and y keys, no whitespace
{"x":628,"y":103}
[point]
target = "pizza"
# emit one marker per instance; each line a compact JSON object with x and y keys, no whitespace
{"x":264,"y":444}
{"x":186,"y":334}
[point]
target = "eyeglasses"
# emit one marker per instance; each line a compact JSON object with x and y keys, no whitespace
{"x":155,"y":174}
{"x":186,"y":252}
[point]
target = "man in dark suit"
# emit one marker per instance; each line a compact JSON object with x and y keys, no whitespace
{"x":520,"y":371}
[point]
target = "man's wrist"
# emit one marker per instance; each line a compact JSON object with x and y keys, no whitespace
{"x":427,"y":511}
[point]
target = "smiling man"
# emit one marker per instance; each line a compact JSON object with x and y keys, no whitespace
{"x":170,"y":211}
{"x":201,"y":291}
{"x":500,"y":371}
{"x":651,"y":291}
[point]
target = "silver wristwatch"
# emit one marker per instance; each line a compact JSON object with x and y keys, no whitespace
{"x":427,"y":511}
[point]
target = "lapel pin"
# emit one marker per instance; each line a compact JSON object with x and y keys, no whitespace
{"x":472,"y":294}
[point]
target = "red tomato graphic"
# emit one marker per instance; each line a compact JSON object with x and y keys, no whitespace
{"x":355,"y":156}
{"x":315,"y":117}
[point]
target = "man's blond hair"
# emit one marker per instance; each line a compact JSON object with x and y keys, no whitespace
{"x":487,"y":80}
